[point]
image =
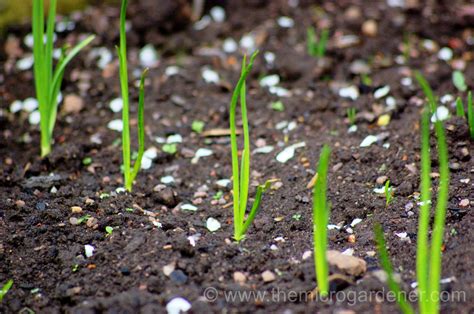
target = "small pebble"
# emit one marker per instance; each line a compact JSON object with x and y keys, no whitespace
{"x":76,"y":209}
{"x":178,"y":306}
{"x":239,"y":277}
{"x":268,"y":276}
{"x":464,"y":202}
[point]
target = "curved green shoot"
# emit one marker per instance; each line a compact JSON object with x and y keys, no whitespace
{"x":129,"y":173}
{"x":424,"y":216}
{"x":321,"y":210}
{"x":405,"y":307}
{"x":241,"y":175}
{"x":429,"y":258}
{"x":5,"y":288}
{"x":316,"y":48}
{"x":470,"y":114}
{"x":48,"y":81}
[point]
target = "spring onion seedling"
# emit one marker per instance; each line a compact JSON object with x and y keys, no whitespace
{"x":48,"y":80}
{"x":351,"y":115}
{"x":317,"y":48}
{"x":388,"y":190}
{"x":198,"y":126}
{"x":405,"y":307}
{"x":129,"y":173}
{"x":241,"y":176}
{"x":425,"y":86}
{"x":320,"y":221}
{"x":5,"y":288}
{"x":470,"y":114}
{"x":429,"y":257}
{"x":460,"y":108}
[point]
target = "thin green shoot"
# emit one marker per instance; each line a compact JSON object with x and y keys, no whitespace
{"x":48,"y":80}
{"x":109,"y":230}
{"x":460,"y":108}
{"x":439,"y":219}
{"x":317,"y":48}
{"x":321,"y":210}
{"x":422,"y":267}
{"x":129,"y":173}
{"x":425,"y":86}
{"x":351,"y":115}
{"x":470,"y":114}
{"x":429,"y":278}
{"x":241,"y":175}
{"x":388,"y":190}
{"x":5,"y":288}
{"x":365,"y":79}
{"x":405,"y":307}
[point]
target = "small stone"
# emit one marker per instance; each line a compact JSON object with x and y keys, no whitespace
{"x":212,"y":224}
{"x":178,"y":306}
{"x":307,"y":254}
{"x":464,"y":202}
{"x":41,"y":206}
{"x":168,"y":269}
{"x":20,"y":203}
{"x":92,"y":222}
{"x":239,"y":277}
{"x":383,"y":120}
{"x":89,"y":250}
{"x":116,"y":105}
{"x":165,"y":195}
{"x":268,"y":276}
{"x":74,"y":221}
{"x":351,"y":238}
{"x":349,"y":264}
{"x":73,"y":104}
{"x":369,"y":28}
{"x":381,"y":180}
{"x":125,"y":270}
{"x":76,"y":209}
{"x":178,"y":276}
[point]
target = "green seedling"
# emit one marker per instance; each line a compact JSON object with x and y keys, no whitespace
{"x":351,"y":115}
{"x":48,"y":80}
{"x":425,"y":86}
{"x":428,"y":262}
{"x":109,"y":230}
{"x":460,"y":108}
{"x":388,"y":190}
{"x":321,"y":210}
{"x":170,"y":148}
{"x":470,"y":114}
{"x":278,"y":106}
{"x":405,"y":307}
{"x":218,"y":195}
{"x":83,"y":219}
{"x":5,"y":288}
{"x":317,"y":48}
{"x":87,"y":161}
{"x":365,"y":79}
{"x":459,"y":81}
{"x":129,"y":173}
{"x":241,"y":175}
{"x":198,"y":126}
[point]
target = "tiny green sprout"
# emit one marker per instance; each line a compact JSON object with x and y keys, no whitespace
{"x":316,"y":48}
{"x":104,"y":196}
{"x":109,"y":230}
{"x":460,"y":108}
{"x":48,"y":80}
{"x":75,"y":268}
{"x":241,"y":175}
{"x":170,"y":148}
{"x":425,"y":86}
{"x":405,"y":307}
{"x":277,"y":105}
{"x":218,"y":195}
{"x":5,"y":288}
{"x":351,"y":115}
{"x":83,"y":219}
{"x":470,"y":114}
{"x":365,"y":79}
{"x":459,"y":81}
{"x":87,"y":161}
{"x":296,"y":217}
{"x":321,"y":210}
{"x":130,"y":210}
{"x":388,"y":190}
{"x":198,"y":126}
{"x":129,"y":173}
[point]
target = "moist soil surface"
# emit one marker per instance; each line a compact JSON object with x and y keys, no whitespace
{"x":149,"y":259}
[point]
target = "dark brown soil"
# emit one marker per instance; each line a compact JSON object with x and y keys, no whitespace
{"x":44,"y":253}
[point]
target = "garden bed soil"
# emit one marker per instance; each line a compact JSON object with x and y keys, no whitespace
{"x":44,"y":253}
